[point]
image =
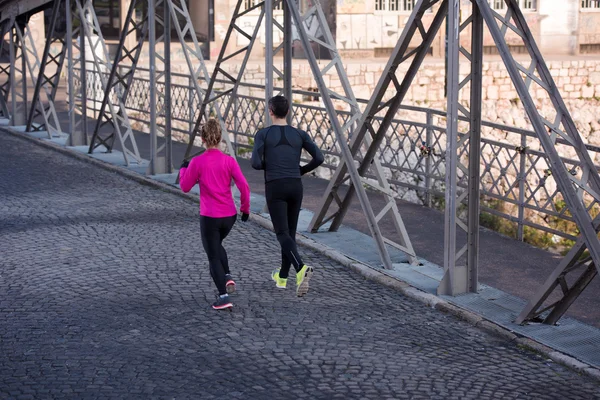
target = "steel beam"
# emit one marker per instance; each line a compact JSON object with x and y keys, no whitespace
{"x":268,"y":58}
{"x":570,"y":265}
{"x":196,"y":66}
{"x":452,"y":272}
{"x":287,"y":58}
{"x":37,"y":106}
{"x":117,"y":85}
{"x":18,"y":77}
{"x":339,"y":130}
{"x":271,"y":70}
{"x":574,"y":187}
{"x":32,"y":61}
{"x":374,"y":138}
{"x":160,"y":74}
{"x":462,"y":277}
{"x":366,"y":135}
{"x":474,"y":150}
{"x":77,"y":109}
{"x":5,"y":69}
{"x":208,"y":98}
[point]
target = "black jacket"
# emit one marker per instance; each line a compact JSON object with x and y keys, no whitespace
{"x":277,"y":150}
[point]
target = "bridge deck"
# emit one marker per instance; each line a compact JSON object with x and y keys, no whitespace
{"x":104,"y":292}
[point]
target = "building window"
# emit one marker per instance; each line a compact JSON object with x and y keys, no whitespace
{"x":251,"y":3}
{"x":526,"y":5}
{"x":590,"y":4}
{"x":394,"y":5}
{"x":498,"y":4}
{"x":529,"y":5}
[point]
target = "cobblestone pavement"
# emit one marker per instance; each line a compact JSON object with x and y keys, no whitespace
{"x":105,"y":293}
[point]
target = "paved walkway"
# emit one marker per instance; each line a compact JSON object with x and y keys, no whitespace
{"x":105,"y":293}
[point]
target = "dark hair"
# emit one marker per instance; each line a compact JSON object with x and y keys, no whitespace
{"x":279,"y":105}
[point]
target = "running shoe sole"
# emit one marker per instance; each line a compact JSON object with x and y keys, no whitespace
{"x":223,"y":306}
{"x":303,"y":287}
{"x":230,"y":287}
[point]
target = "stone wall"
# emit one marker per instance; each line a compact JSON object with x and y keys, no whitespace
{"x":577,"y":81}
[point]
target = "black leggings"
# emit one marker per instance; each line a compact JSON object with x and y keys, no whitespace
{"x":213,"y":232}
{"x":284,"y":199}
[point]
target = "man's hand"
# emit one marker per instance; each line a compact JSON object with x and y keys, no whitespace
{"x":185,"y":164}
{"x":245,"y":217}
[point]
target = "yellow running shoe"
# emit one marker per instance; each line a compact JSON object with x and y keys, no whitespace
{"x":302,"y":278}
{"x":279,"y":282}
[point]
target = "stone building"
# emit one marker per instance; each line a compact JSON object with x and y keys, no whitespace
{"x":371,"y":28}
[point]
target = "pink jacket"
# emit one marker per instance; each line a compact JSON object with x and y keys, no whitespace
{"x":213,"y":170}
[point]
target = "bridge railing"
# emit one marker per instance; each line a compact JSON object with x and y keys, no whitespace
{"x":519,"y":194}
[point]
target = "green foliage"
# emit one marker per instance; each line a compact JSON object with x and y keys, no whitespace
{"x":534,"y":236}
{"x":243,"y":150}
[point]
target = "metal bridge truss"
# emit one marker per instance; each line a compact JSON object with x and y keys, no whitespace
{"x":463,"y":152}
{"x":49,"y":83}
{"x":359,"y":136}
{"x":579,"y":184}
{"x":347,"y":170}
{"x":18,"y":74}
{"x":371,"y":132}
{"x":76,"y":61}
{"x":197,"y":69}
{"x":341,"y":129}
{"x":578,"y":181}
{"x":230,"y":84}
{"x":228,"y":94}
{"x":116,"y":115}
{"x":51,"y":123}
{"x":160,"y":86}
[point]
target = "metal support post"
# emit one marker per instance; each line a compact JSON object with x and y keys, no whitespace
{"x":33,"y":65}
{"x":160,"y":75}
{"x":580,"y":188}
{"x":5,"y":63}
{"x":474,"y":150}
{"x":268,"y":58}
{"x":38,"y":108}
{"x":271,"y":70}
{"x":77,"y":110}
{"x":347,"y":156}
{"x":428,"y":163}
{"x":287,"y":58}
{"x":18,"y":76}
{"x":168,"y":154}
{"x":461,"y":273}
{"x":152,"y":78}
{"x":366,"y":135}
{"x":117,"y":85}
{"x":449,"y":284}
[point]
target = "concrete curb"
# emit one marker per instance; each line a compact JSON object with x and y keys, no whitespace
{"x":365,"y":270}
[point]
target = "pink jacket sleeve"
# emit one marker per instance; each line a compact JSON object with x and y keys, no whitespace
{"x":188,"y":177}
{"x":242,"y":185}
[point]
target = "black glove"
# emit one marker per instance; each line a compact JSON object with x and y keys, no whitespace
{"x":245,"y":217}
{"x":303,"y":170}
{"x":185,"y":164}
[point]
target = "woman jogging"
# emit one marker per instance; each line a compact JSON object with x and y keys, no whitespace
{"x":213,"y":170}
{"x":277,"y":150}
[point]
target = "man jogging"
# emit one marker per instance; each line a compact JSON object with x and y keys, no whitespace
{"x":277,"y":151}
